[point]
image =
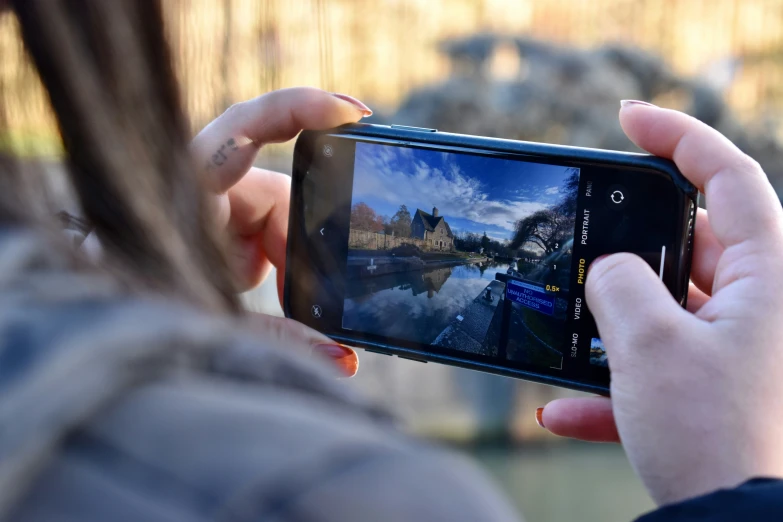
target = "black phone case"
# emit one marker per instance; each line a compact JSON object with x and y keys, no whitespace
{"x":411,"y":135}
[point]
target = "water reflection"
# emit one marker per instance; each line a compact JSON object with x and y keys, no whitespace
{"x":417,"y":305}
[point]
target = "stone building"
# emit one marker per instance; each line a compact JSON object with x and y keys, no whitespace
{"x":432,"y":228}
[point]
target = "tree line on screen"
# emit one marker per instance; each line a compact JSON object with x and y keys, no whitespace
{"x":536,"y":235}
{"x":363,"y":217}
{"x":472,"y":242}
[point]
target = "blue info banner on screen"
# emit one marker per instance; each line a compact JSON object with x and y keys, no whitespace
{"x":531,"y":296}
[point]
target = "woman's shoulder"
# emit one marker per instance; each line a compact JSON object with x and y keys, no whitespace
{"x":159,"y":412}
{"x":211,"y":447}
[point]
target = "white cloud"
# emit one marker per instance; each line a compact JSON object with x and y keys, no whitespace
{"x":552,"y":191}
{"x":456,"y":194}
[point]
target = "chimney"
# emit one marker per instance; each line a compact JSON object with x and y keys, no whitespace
{"x":435,"y":211}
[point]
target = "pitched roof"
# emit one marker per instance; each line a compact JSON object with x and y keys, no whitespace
{"x":430,"y":221}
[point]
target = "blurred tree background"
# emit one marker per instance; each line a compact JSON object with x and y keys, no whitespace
{"x":542,"y":70}
{"x":381,"y":50}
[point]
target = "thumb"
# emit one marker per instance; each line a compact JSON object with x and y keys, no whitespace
{"x":631,"y":306}
{"x":291,"y":335}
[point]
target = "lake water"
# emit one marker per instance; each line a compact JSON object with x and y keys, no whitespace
{"x":418,"y":305}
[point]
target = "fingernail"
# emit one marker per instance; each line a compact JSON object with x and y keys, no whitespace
{"x":540,"y":417}
{"x":627,"y":103}
{"x":596,"y":261}
{"x":342,"y":356}
{"x":366,"y":111}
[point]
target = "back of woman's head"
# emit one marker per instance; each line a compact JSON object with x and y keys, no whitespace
{"x":107,"y":69}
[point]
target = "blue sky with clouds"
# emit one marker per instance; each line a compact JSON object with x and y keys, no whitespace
{"x":473,"y":193}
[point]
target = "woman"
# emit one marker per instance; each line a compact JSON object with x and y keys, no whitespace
{"x":134,"y":388}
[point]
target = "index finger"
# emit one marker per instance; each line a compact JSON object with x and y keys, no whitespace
{"x":227,"y":147}
{"x":741,"y":202}
{"x":585,"y":418}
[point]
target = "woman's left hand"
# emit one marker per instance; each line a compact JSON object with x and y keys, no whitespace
{"x":253,"y":203}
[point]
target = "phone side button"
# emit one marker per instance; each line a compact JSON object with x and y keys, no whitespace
{"x":412,"y":359}
{"x":416,"y":129}
{"x":377,"y":351}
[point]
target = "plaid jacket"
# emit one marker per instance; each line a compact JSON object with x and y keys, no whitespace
{"x":125,"y":409}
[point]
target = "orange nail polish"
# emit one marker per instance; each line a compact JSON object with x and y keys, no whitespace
{"x":366,"y":111}
{"x":342,"y":356}
{"x":540,"y":417}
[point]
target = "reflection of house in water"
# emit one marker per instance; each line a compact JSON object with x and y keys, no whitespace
{"x":433,"y":229}
{"x":417,"y":281}
{"x":431,"y":281}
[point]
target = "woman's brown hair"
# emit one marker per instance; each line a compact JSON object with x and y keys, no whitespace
{"x":107,"y":69}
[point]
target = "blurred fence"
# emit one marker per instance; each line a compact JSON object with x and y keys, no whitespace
{"x":363,"y":239}
{"x":229,"y":50}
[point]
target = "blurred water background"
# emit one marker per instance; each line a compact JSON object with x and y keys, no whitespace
{"x":541,"y":70}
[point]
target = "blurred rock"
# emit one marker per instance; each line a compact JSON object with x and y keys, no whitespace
{"x":570,"y":96}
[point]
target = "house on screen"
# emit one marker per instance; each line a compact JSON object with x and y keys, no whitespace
{"x":432,"y":228}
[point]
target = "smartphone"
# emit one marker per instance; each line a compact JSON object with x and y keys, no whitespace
{"x":474,"y":251}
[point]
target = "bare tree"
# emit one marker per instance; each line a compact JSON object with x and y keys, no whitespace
{"x":548,"y":229}
{"x":400,"y":222}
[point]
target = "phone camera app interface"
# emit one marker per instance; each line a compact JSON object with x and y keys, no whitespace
{"x":463,"y":252}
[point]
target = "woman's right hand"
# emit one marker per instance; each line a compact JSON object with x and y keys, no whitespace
{"x":697,"y":395}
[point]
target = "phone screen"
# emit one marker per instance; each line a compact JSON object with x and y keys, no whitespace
{"x":472,"y":254}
